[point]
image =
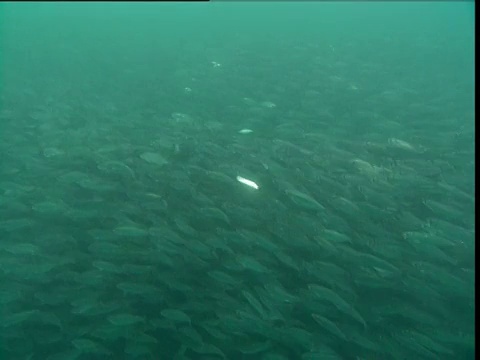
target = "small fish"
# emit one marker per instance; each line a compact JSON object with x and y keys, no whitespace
{"x":175,"y":315}
{"x":245,"y":131}
{"x":247,"y":182}
{"x":125,"y":319}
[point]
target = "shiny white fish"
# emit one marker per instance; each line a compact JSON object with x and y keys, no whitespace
{"x":245,"y":131}
{"x":247,"y":182}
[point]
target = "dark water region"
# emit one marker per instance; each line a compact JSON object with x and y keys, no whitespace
{"x":237,"y":181}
